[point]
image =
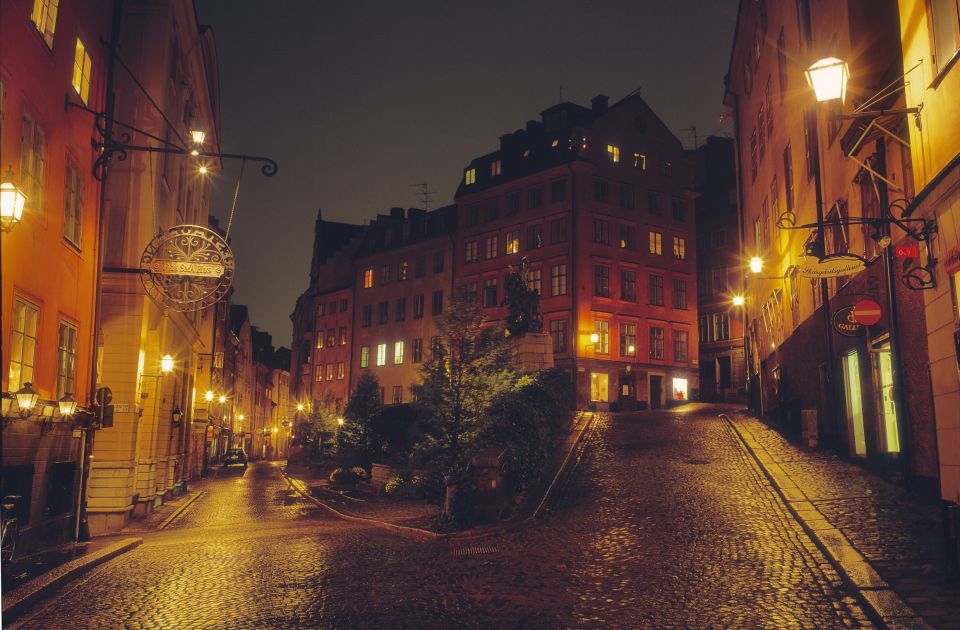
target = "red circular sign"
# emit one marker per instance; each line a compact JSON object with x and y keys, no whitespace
{"x":866,"y":312}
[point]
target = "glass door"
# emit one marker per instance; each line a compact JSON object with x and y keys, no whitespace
{"x":851,"y":382}
{"x":883,"y":366}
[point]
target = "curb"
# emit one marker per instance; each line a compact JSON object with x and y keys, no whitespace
{"x":18,"y":600}
{"x":876,"y":596}
{"x":425,"y":535}
{"x":180,"y":510}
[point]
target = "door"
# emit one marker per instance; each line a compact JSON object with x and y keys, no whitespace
{"x":726,"y":372}
{"x":627,"y":392}
{"x":883,"y":372}
{"x":656,"y":392}
{"x":599,"y":387}
{"x":851,"y":384}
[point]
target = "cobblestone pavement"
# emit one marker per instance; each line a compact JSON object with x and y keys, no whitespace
{"x":663,"y":523}
{"x":896,"y":531}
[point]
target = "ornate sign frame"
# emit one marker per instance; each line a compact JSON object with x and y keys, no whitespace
{"x":187,"y":267}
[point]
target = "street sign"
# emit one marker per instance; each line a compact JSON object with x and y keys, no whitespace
{"x":104,"y":396}
{"x":187,"y":268}
{"x":866,"y":312}
{"x":830,"y":266}
{"x":844,"y":322}
{"x":907,"y":251}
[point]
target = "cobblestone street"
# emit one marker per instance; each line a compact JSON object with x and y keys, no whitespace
{"x":664,"y":522}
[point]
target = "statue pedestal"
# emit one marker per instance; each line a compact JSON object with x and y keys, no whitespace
{"x":534,"y":352}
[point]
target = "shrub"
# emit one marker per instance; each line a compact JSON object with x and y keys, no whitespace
{"x":400,"y":487}
{"x":346,"y":476}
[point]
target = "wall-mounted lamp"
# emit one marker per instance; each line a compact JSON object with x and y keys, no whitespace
{"x":594,"y":337}
{"x":177,"y":415}
{"x":67,"y":404}
{"x":208,"y":396}
{"x":739,"y":300}
{"x":12,"y":201}
{"x":198,"y":136}
{"x":26,"y":398}
{"x":828,"y":78}
{"x":166,"y":364}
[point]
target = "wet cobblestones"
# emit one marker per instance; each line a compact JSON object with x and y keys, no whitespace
{"x":663,"y":523}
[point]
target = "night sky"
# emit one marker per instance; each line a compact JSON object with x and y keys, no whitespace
{"x":359,"y":100}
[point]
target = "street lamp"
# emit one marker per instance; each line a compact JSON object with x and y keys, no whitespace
{"x":828,"y":78}
{"x":198,"y":136}
{"x":594,"y":337}
{"x":299,"y":406}
{"x":208,"y":396}
{"x":26,"y":397}
{"x":739,"y":300}
{"x":756,"y":264}
{"x":166,"y":364}
{"x":222,"y":399}
{"x":67,"y":404}
{"x":12,"y":201}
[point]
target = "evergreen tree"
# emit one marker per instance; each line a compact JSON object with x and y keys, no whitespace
{"x":362,"y":407}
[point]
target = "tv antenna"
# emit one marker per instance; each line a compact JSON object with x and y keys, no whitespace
{"x":425,"y":195}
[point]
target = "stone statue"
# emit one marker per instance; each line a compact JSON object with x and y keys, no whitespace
{"x":523,"y":303}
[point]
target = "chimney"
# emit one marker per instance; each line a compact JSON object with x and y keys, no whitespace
{"x":534,"y":127}
{"x":599,"y":103}
{"x":397,"y":213}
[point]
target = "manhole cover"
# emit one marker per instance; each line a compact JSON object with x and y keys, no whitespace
{"x":476,"y":550}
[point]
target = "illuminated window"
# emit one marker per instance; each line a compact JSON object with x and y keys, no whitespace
{"x":81,"y":72}
{"x":381,"y":354}
{"x":490,"y":247}
{"x":341,"y":371}
{"x":368,"y":278}
{"x":513,"y":242}
{"x":73,"y":205}
{"x":613,"y":152}
{"x":343,"y":336}
{"x":398,"y":353}
{"x":66,"y":359}
{"x":33,"y":161}
{"x":403,"y":271}
{"x":364,"y":356}
{"x":640,"y":161}
{"x":628,"y":340}
{"x":602,"y":329}
{"x":331,"y":337}
{"x":318,"y":375}
{"x":23,"y":343}
{"x":656,"y":342}
{"x":680,"y":388}
{"x":319,"y":340}
{"x":397,"y":394}
{"x":656,"y":243}
{"x":495,"y":168}
{"x":555,"y":143}
{"x":44,"y":17}
{"x":330,"y":368}
{"x":470,"y":176}
{"x":679,"y":248}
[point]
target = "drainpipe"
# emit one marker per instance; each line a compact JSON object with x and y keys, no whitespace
{"x":574,"y":330}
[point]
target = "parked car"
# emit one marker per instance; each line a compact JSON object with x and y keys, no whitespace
{"x":235,"y":456}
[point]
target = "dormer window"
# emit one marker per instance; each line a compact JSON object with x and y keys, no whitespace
{"x":470,"y":176}
{"x":613,"y":152}
{"x":555,"y":143}
{"x":640,"y":161}
{"x":526,"y":153}
{"x":495,"y":168}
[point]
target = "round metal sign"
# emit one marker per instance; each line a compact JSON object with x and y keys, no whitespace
{"x":867,"y":312}
{"x":187,"y":267}
{"x":844,"y":322}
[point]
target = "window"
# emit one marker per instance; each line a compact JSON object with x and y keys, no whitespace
{"x":613,"y":152}
{"x":753,"y":154}
{"x":384,"y":275}
{"x":679,"y":248}
{"x":809,"y":141}
{"x":403,"y":270}
{"x":513,"y":202}
{"x":418,"y":306}
{"x":400,"y":312}
{"x":535,"y":236}
{"x":342,"y":337}
{"x":321,"y":310}
{"x":653,"y":203}
{"x":420,"y":267}
{"x":677,"y":210}
{"x":656,"y":342}
{"x":680,"y":346}
{"x":656,"y":243}
{"x":33,"y":151}
{"x":628,"y":285}
{"x":534,"y":197}
{"x":490,"y":247}
{"x":331,"y":337}
{"x":380,"y":393}
{"x":398,"y":353}
{"x":318,"y":375}
{"x":470,"y":176}
{"x":417,"y":350}
{"x":703,"y":323}
{"x":601,"y":190}
{"x":628,"y":237}
{"x":381,"y":354}
{"x":438,"y":262}
{"x":680,"y":294}
{"x":490,"y":292}
{"x":761,"y":132}
{"x":397,"y":394}
{"x":602,"y":328}
{"x":626,"y":196}
{"x":640,"y":161}
{"x":513,"y":242}
{"x":437,"y":303}
{"x":656,"y":290}
{"x":718,"y":238}
{"x":435,"y":345}
{"x":384,"y":310}
{"x":496,"y":167}
{"x":788,"y":176}
{"x":66,"y":360}
{"x":332,"y":307}
{"x":558,"y":231}
{"x":81,"y":72}
{"x":718,"y":277}
{"x":471,"y":254}
{"x":666,"y":168}
{"x":558,"y":190}
{"x":533,"y":280}
{"x":782,"y":64}
{"x":330,"y":368}
{"x":364,"y":356}
{"x":946,"y":36}
{"x":470,"y":292}
{"x":44,"y":17}
{"x":343,"y":305}
{"x":628,"y":340}
{"x":768,"y":97}
{"x":774,"y":202}
{"x":366,"y":315}
{"x":601,"y":231}
{"x":558,"y":280}
{"x":368,"y":278}
{"x":721,"y":327}
{"x":601,"y":281}
{"x":473,"y":215}
{"x":341,"y":371}
{"x":319,"y":339}
{"x":558,"y":333}
{"x":491,"y":210}
{"x":73,"y":206}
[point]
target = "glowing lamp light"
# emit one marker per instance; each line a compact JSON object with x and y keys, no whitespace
{"x":166,"y":364}
{"x":26,"y":397}
{"x":739,"y":300}
{"x":12,"y":200}
{"x":340,"y":421}
{"x":275,"y":429}
{"x":756,"y":264}
{"x":631,"y":348}
{"x":67,"y":404}
{"x":299,"y":406}
{"x":209,"y":395}
{"x":202,"y":170}
{"x":222,"y":399}
{"x":240,"y":417}
{"x":828,"y":78}
{"x":594,"y":337}
{"x":194,"y":152}
{"x":198,"y":136}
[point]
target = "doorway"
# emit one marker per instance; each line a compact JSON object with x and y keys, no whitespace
{"x":599,"y":387}
{"x":726,"y":372}
{"x":851,"y":384}
{"x":883,"y":371}
{"x":656,"y":391}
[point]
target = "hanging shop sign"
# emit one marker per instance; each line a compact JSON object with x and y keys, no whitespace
{"x":845,"y":323}
{"x":187,"y":267}
{"x":951,"y":260}
{"x":866,"y":312}
{"x":831,"y":265}
{"x":907,"y":251}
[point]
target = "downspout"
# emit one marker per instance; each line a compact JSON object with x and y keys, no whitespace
{"x":575,"y":329}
